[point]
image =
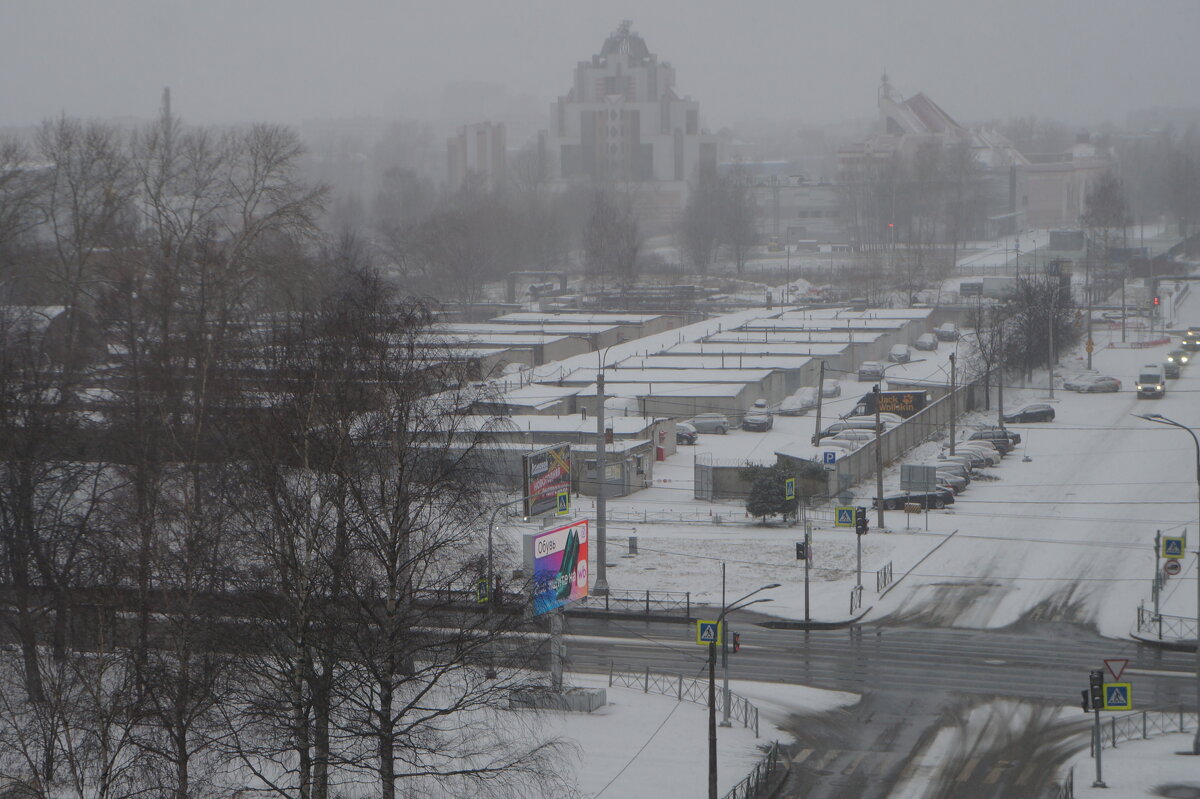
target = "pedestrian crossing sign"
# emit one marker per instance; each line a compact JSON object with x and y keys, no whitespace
{"x":708,"y":632}
{"x":844,"y":517}
{"x":789,"y":489}
{"x":1118,"y":696}
{"x":1172,"y":546}
{"x":564,"y":503}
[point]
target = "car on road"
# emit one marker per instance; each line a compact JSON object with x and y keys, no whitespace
{"x":926,"y":341}
{"x":946,"y":331}
{"x":759,"y":418}
{"x":1037,"y":412}
{"x":1190,"y":340}
{"x":1175,"y":361}
{"x":710,"y":423}
{"x":1171,"y":369}
{"x":936,"y":499}
{"x":1074,"y":381}
{"x":870,"y":370}
{"x":1151,"y":382}
{"x":685,"y":433}
{"x":1100,"y":384}
{"x":799,"y":403}
{"x":831,"y":388}
{"x":900,"y":353}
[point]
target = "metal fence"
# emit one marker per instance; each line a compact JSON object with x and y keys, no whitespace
{"x":641,"y":602}
{"x":763,"y":779}
{"x":1144,"y":724}
{"x":695,"y":691}
{"x":1165,"y":627}
{"x":883,"y":578}
{"x":1067,"y":789}
{"x":856,"y":594}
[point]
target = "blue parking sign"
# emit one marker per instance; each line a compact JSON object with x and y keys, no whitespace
{"x":828,"y":457}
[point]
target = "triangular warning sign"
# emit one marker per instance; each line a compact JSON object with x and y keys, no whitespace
{"x":1116,"y":667}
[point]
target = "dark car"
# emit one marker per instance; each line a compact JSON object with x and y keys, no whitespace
{"x":1175,"y":361}
{"x":999,"y":438}
{"x":1037,"y":412}
{"x":685,"y":433}
{"x":1013,"y":436}
{"x":936,"y":499}
{"x":759,"y":418}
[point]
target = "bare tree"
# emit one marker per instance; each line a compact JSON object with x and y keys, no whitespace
{"x":737,"y":223}
{"x":700,"y":227}
{"x":611,"y":239}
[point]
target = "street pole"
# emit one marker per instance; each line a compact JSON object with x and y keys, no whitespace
{"x":878,"y":475}
{"x":816,"y":439}
{"x":1096,"y":746}
{"x":601,"y":586}
{"x":1087,"y":288}
{"x":1050,"y":352}
{"x":807,"y":559}
{"x":724,"y":660}
{"x":491,"y":579}
{"x":712,"y":682}
{"x":1000,"y":355}
{"x":1160,"y":419}
{"x":953,"y":399}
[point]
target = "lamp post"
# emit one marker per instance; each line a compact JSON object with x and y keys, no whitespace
{"x":712,"y":682}
{"x":1160,"y":419}
{"x":879,"y":447}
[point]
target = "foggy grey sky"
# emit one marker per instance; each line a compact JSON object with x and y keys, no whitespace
{"x":1081,"y":61}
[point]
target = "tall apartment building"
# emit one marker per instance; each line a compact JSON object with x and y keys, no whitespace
{"x":478,"y":150}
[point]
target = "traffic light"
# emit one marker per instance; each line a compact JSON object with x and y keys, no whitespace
{"x":1087,"y":704}
{"x":1096,"y":686}
{"x":801,"y":551}
{"x":1156,"y":300}
{"x":737,"y":641}
{"x":860,"y":521}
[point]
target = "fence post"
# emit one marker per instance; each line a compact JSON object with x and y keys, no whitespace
{"x":647,"y":602}
{"x":688,"y":597}
{"x":1113,"y":719}
{"x":755,"y":721}
{"x":610,"y":673}
{"x":679,"y":687}
{"x":606,"y":594}
{"x":1144,"y":735}
{"x":646,"y":687}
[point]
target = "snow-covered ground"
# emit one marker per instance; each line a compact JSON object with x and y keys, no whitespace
{"x":1153,"y":767}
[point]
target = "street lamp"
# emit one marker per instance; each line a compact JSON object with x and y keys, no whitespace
{"x":712,"y":682}
{"x":1160,"y":419}
{"x":878,"y":447}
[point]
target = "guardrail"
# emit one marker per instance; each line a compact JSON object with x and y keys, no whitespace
{"x":883,"y":578}
{"x":641,"y":601}
{"x":1164,"y":626}
{"x":765,"y":776}
{"x":856,"y":598}
{"x":1143,"y":724}
{"x":695,"y":691}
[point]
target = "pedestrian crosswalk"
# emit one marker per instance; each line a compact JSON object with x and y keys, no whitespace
{"x":872,"y":763}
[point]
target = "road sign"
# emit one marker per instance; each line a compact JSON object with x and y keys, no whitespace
{"x":1116,"y":667}
{"x":912,"y":507}
{"x":481,"y":591}
{"x":844,"y":517}
{"x":1090,"y":346}
{"x":1118,"y":696}
{"x":564,"y":503}
{"x":828,"y":458}
{"x":789,"y":488}
{"x":708,"y":632}
{"x":915,"y":477}
{"x":1172,"y":546}
{"x":1172,"y":568}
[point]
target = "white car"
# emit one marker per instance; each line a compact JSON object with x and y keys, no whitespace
{"x":799,"y":403}
{"x":1077,"y":381}
{"x":947,"y":331}
{"x":831,"y":388}
{"x":900,"y":354}
{"x":870,"y":370}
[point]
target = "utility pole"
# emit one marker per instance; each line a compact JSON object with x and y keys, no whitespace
{"x":1050,"y":322}
{"x":878,"y":463}
{"x":1087,"y":288}
{"x":999,"y":360}
{"x":807,"y":560}
{"x":601,"y":586}
{"x":953,"y":401}
{"x":724,"y":661}
{"x":816,"y":439}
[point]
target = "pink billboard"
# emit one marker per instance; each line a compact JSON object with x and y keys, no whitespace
{"x":558,"y":561}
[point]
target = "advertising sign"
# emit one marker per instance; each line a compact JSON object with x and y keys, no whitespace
{"x":558,"y":561}
{"x":547,"y":473}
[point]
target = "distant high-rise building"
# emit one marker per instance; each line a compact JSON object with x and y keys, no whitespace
{"x":623,"y":121}
{"x":478,"y":152}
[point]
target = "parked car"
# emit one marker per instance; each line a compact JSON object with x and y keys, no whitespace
{"x":926,"y":341}
{"x":685,"y":433}
{"x":1076,"y":381}
{"x":870,"y":370}
{"x":900,"y":353}
{"x":973,"y":458}
{"x":964,"y":460}
{"x":1100,"y":384}
{"x":998,"y":438}
{"x":839,"y":443}
{"x":854,"y":435}
{"x":759,"y":418}
{"x":710,"y":423}
{"x":952,"y":469}
{"x":1037,"y":412}
{"x":946,"y":331}
{"x":937,"y":499}
{"x":992,"y":455}
{"x":857,"y":423}
{"x":1151,"y":382}
{"x":888,"y":420}
{"x":799,"y":403}
{"x":831,"y":388}
{"x":1013,"y":436}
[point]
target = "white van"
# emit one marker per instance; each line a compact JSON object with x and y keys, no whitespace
{"x":1151,"y":382}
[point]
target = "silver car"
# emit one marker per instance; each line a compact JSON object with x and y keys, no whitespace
{"x":710,"y":423}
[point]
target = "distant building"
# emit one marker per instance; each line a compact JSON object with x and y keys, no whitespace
{"x":1056,"y":185}
{"x":622,"y":121}
{"x":479,"y":151}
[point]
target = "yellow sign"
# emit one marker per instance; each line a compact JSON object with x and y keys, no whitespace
{"x":789,"y":488}
{"x":709,"y":632}
{"x":1173,"y":546}
{"x":1118,"y":696}
{"x":564,"y":503}
{"x":1090,"y":346}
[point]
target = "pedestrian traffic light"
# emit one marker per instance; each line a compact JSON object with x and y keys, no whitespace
{"x":1156,"y":300}
{"x":1087,"y":705}
{"x":860,"y":521}
{"x":1096,"y":686}
{"x":801,"y":551}
{"x":737,"y":641}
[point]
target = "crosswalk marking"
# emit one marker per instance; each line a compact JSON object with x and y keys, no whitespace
{"x":802,"y":755}
{"x":993,"y":775}
{"x":965,"y":774}
{"x":853,"y":764}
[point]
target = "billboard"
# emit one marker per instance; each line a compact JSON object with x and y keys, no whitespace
{"x":558,"y":562}
{"x":546,"y":474}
